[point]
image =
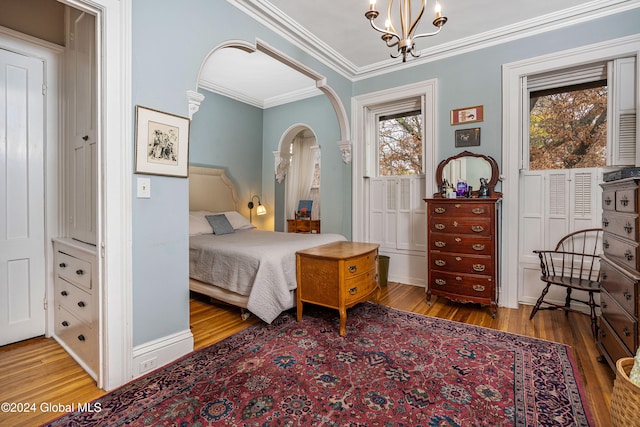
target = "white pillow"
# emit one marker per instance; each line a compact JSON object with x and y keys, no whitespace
{"x":238,"y":221}
{"x":198,"y":224}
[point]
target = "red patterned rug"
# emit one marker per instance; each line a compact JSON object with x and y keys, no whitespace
{"x":392,"y":369}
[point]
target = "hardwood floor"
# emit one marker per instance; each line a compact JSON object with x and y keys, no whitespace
{"x":39,"y":373}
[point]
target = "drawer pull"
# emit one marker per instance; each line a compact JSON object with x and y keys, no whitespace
{"x":605,"y":244}
{"x":81,"y":337}
{"x":626,"y":331}
{"x":628,"y":255}
{"x":605,"y":222}
{"x":353,"y":291}
{"x":455,"y":223}
{"x":64,"y":293}
{"x":81,"y":304}
{"x":440,"y":244}
{"x":603,"y":277}
{"x":478,"y":247}
{"x":458,"y":278}
{"x":607,"y":201}
{"x":440,"y":210}
{"x":79,"y":272}
{"x":352,"y":268}
{"x":478,"y":288}
{"x":477,"y":228}
{"x":440,"y":263}
{"x":441,"y":282}
{"x":477,"y":211}
{"x":440,"y":226}
{"x":479,"y":267}
{"x":85,"y":138}
{"x":458,"y":240}
{"x":627,"y":295}
{"x":458,"y":258}
{"x":628,"y":228}
{"x":62,"y":265}
{"x":624,"y":201}
{"x":604,"y":305}
{"x":65,"y":323}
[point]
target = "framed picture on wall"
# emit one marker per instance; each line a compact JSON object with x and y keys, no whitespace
{"x":467,"y":115}
{"x":468,"y":137}
{"x":162,"y":143}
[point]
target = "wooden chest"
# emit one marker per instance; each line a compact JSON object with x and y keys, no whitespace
{"x":337,"y":275}
{"x":618,"y":331}
{"x":462,"y":250}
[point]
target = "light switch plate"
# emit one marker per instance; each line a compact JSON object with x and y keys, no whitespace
{"x":144,"y":188}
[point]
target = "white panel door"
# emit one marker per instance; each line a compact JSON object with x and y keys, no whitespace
{"x":22,"y":246}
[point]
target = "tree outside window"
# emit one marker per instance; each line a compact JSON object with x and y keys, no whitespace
{"x":400,"y":144}
{"x":568,"y":127}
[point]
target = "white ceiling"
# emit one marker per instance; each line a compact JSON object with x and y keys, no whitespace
{"x":337,"y":33}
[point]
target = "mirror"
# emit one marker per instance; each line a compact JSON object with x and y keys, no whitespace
{"x":469,"y":167}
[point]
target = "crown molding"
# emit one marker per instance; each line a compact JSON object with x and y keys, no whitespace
{"x":265,"y":13}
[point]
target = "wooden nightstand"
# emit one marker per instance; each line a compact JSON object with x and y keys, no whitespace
{"x":337,"y":275}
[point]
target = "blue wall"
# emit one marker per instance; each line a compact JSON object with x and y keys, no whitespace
{"x":170,"y":41}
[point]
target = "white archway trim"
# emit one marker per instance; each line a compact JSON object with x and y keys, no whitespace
{"x":321,"y":83}
{"x":512,"y":143}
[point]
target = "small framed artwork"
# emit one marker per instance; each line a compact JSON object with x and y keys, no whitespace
{"x":162,"y":143}
{"x":467,"y":137}
{"x":467,"y":115}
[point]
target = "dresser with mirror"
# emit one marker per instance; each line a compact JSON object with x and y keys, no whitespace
{"x":462,"y":231}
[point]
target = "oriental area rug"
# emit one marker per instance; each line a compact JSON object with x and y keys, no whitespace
{"x":392,"y":369}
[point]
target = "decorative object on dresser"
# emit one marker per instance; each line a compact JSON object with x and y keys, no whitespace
{"x":462,"y":234}
{"x":337,"y":275}
{"x":574,"y":265}
{"x":618,"y":330}
{"x":76,"y":302}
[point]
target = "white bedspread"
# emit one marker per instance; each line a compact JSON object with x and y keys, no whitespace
{"x":255,"y":263}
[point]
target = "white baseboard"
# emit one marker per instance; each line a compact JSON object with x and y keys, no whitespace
{"x":157,"y":353}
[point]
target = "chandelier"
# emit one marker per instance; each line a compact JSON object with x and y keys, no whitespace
{"x":405,"y":39}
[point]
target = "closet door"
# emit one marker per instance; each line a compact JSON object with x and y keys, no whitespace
{"x":82,"y":141}
{"x":22,"y":255}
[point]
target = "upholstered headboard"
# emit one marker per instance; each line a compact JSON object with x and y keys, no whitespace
{"x":211,"y":190}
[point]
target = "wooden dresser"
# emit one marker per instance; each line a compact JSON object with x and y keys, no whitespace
{"x":618,"y":332}
{"x":462,"y":239}
{"x":76,"y":302}
{"x":337,"y":275}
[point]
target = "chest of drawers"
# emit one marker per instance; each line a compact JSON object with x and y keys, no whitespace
{"x":462,"y":238}
{"x":76,"y":302}
{"x":337,"y":275}
{"x":618,"y":330}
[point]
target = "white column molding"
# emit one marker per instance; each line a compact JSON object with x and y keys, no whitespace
{"x":345,"y":149}
{"x":195,"y":99}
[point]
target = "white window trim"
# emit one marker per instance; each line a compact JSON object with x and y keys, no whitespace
{"x":512,"y":74}
{"x":361,"y":161}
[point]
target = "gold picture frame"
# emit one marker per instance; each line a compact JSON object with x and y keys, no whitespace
{"x":162,"y":143}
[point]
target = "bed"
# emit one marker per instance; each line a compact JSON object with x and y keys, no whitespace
{"x":240,"y":265}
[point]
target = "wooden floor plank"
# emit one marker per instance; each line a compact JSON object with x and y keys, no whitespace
{"x":39,"y":372}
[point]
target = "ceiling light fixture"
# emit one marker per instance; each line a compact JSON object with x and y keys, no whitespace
{"x":405,"y":40}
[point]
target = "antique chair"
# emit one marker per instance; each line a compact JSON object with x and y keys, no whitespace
{"x":572,"y":265}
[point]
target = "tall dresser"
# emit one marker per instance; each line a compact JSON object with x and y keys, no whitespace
{"x":462,"y":234}
{"x":618,"y":332}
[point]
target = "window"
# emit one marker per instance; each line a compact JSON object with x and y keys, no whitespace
{"x":568,"y":127}
{"x":400,"y":144}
